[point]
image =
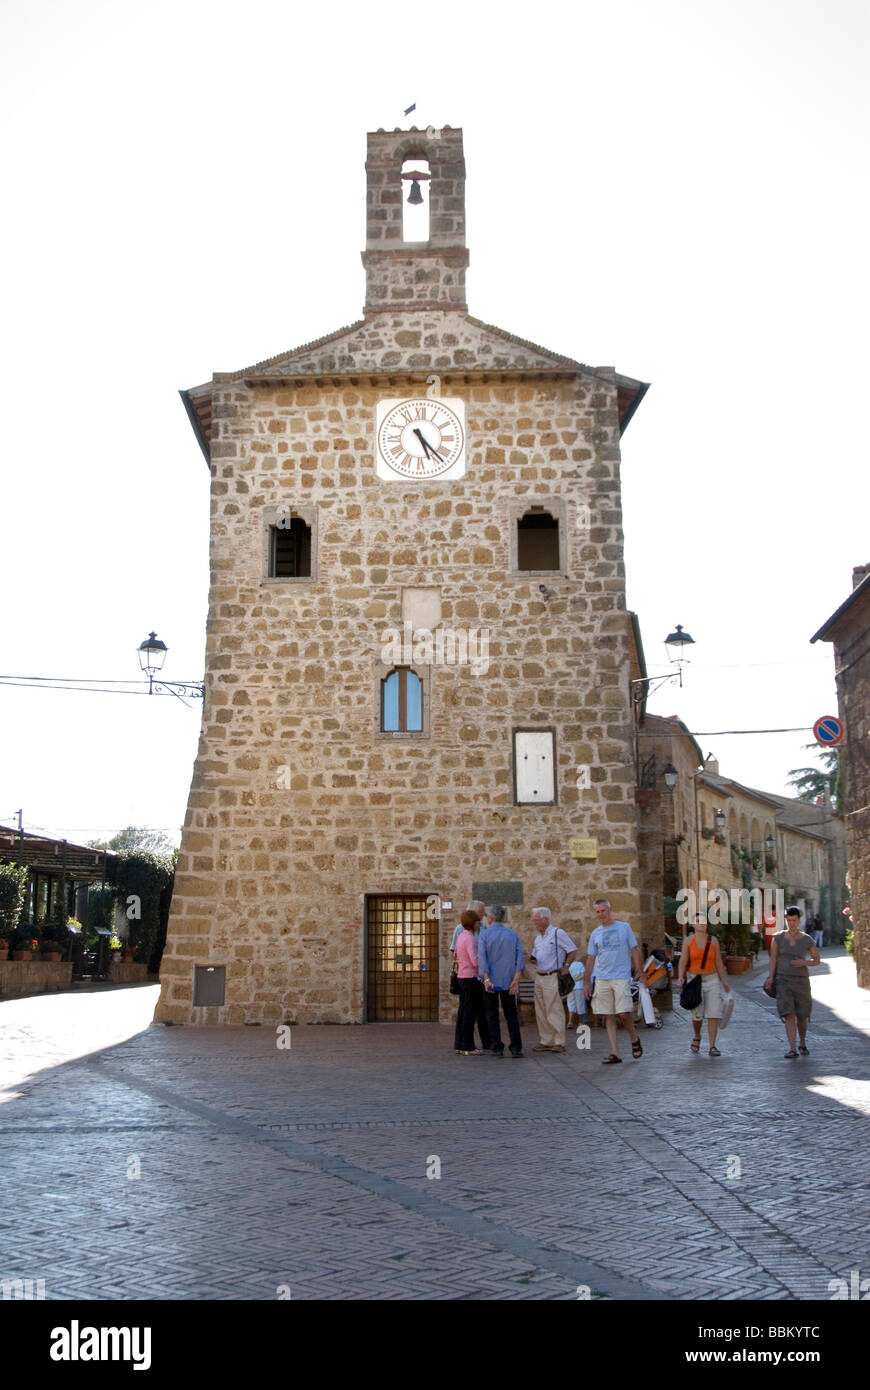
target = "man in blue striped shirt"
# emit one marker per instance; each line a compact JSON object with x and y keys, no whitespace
{"x":501,"y":961}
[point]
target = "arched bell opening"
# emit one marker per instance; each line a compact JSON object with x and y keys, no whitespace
{"x":416,"y":178}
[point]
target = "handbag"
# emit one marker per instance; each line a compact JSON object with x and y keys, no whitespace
{"x":454,"y":978}
{"x":690,"y":994}
{"x":769,"y":989}
{"x":567,"y":983}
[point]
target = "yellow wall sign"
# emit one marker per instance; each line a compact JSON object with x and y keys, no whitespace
{"x":584,"y":849}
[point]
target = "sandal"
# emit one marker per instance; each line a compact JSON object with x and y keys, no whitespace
{"x":636,"y":1049}
{"x":695,"y":1046}
{"x":804,"y":1051}
{"x":714,"y":1052}
{"x":608,"y":1061}
{"x":789,"y":1054}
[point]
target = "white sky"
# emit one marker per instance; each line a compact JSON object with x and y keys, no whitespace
{"x":677,"y":189}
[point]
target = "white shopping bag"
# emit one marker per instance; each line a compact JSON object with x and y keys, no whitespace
{"x":646,"y":1004}
{"x":727,"y":1011}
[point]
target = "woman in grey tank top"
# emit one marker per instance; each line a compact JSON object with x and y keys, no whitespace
{"x":789,"y":966}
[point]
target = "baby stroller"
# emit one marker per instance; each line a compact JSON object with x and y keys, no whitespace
{"x":654,"y":979}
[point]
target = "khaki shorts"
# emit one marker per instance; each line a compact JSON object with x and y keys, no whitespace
{"x":712,"y":998}
{"x":612,"y":997}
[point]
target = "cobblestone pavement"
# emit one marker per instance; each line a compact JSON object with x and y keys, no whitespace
{"x":272,"y":1172}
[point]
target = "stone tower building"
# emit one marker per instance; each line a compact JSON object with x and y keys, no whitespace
{"x":417,"y":670}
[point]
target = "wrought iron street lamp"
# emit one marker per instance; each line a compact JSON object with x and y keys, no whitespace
{"x":675,"y":646}
{"x":152,"y":654}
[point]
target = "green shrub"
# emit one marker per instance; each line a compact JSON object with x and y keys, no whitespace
{"x":13,"y":890}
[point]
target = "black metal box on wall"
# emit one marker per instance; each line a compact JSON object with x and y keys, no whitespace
{"x":209,"y":986}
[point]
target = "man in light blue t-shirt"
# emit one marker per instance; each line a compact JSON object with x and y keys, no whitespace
{"x":611,"y":953}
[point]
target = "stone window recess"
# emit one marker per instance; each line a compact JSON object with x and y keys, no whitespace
{"x":535,"y":767}
{"x":538,"y":538}
{"x":290,"y":544}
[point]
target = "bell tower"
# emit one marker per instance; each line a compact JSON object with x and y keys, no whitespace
{"x":390,"y":503}
{"x":427,"y":170}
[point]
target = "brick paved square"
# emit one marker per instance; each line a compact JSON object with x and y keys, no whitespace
{"x":172,"y":1163}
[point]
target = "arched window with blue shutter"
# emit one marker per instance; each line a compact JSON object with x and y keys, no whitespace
{"x":402,"y":702}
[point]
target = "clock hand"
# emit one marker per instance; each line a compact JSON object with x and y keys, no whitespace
{"x":430,"y":452}
{"x":423,"y":442}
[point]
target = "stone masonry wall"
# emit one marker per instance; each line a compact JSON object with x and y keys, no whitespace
{"x":271,"y":879}
{"x":853,"y":689}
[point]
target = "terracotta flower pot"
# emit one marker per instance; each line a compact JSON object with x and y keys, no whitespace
{"x":22,"y":955}
{"x":735,"y":965}
{"x":51,"y":955}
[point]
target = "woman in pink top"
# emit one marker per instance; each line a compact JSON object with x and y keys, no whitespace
{"x":470,"y":988}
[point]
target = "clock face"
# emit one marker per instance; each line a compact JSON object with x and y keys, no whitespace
{"x":421,"y":438}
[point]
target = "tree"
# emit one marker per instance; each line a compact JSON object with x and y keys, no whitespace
{"x":810,"y":783}
{"x":144,"y":882}
{"x":136,"y":839}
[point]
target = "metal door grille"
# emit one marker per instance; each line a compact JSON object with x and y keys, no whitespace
{"x":402,"y":961}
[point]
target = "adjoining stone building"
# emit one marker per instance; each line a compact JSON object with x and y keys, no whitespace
{"x":766,"y":842}
{"x":418,"y":656}
{"x":849,"y":631}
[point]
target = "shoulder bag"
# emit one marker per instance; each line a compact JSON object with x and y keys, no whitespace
{"x":567,"y":983}
{"x":454,"y":975}
{"x":690,"y":994}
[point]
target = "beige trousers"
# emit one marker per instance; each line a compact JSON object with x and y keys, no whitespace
{"x":549,"y":1014}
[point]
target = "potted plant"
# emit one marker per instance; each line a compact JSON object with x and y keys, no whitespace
{"x":707,"y":832}
{"x":737,"y":956}
{"x":54,"y":939}
{"x":116,"y":946}
{"x":25,"y":948}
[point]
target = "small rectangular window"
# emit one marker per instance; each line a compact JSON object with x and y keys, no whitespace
{"x":537,"y":542}
{"x":290,"y":549}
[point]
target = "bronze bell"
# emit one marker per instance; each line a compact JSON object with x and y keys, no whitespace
{"x":415,"y":197}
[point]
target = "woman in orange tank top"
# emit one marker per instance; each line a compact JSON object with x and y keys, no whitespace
{"x":701,"y":956}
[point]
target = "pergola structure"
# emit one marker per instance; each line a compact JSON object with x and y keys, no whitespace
{"x":59,"y":874}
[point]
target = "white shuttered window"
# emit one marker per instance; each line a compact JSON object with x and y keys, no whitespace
{"x":535,"y":766}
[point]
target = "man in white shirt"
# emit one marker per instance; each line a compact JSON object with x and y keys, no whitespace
{"x":552,"y":953}
{"x":485,"y":919}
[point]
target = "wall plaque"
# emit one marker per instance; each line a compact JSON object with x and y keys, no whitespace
{"x":508,"y":894}
{"x":584,"y":849}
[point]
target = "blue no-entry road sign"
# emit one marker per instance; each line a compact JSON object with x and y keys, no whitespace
{"x":828,"y":731}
